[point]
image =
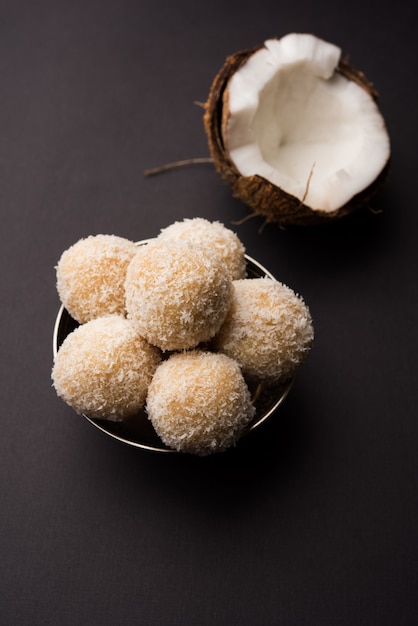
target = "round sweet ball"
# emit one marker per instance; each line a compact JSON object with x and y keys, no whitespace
{"x":103,"y":368}
{"x":91,"y":276}
{"x":214,"y":235}
{"x":199,"y":402}
{"x":268,"y":330}
{"x":177,"y":293}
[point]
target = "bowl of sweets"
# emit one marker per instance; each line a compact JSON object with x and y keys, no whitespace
{"x":178,"y":344}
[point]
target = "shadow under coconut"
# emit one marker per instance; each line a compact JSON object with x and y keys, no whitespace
{"x":351,"y":242}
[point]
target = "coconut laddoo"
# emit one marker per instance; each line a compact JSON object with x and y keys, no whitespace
{"x":91,"y":276}
{"x":177,"y":293}
{"x":214,"y":235}
{"x":199,"y":402}
{"x":268,"y":330}
{"x":103,"y":368}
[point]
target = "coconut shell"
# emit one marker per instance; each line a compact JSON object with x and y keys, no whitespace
{"x":262,"y":196}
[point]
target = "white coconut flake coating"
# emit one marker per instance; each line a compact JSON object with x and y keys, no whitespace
{"x":91,"y":276}
{"x":214,"y":235}
{"x":199,"y":402}
{"x":103,"y":368}
{"x":268,"y":330}
{"x":177,"y":293}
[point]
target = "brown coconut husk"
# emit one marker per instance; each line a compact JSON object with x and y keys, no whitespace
{"x":263,"y":197}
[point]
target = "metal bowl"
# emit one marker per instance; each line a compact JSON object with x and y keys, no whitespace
{"x":137,"y":430}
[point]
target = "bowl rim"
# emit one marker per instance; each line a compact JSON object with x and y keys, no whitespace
{"x":103,"y":426}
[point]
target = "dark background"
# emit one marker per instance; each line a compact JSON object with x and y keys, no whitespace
{"x":312,"y":520}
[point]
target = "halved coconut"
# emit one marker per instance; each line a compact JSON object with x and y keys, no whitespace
{"x":296,"y":131}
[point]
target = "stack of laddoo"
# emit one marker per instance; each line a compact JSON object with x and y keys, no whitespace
{"x":176,"y":327}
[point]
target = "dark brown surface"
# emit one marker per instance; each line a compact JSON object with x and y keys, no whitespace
{"x":311,"y":520}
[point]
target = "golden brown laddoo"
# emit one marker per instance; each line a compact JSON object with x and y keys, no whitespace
{"x":103,"y":368}
{"x":268,"y":330}
{"x":199,"y":402}
{"x":91,"y":276}
{"x":177,"y":293}
{"x":214,"y":235}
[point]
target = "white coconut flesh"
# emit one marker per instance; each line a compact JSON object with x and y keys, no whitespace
{"x":306,"y":128}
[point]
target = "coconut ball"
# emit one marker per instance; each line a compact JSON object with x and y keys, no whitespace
{"x":214,"y":235}
{"x":91,"y":276}
{"x":103,"y":368}
{"x":177,"y":293}
{"x":199,"y":402}
{"x":268,"y":330}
